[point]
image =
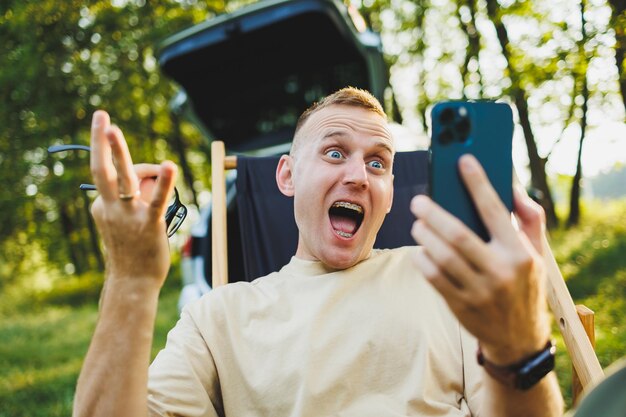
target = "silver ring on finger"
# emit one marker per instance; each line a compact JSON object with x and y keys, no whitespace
{"x":129,"y":197}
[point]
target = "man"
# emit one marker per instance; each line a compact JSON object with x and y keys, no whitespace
{"x":342,"y":329}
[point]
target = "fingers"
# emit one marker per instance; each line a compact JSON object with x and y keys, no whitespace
{"x":531,"y":217}
{"x":445,"y":258}
{"x":146,"y":188}
{"x":147,"y":170}
{"x":452,"y":231}
{"x":492,"y":211}
{"x":128,"y":183}
{"x":147,"y":174}
{"x":111,"y":163}
{"x":102,"y":169}
{"x":162,"y":190}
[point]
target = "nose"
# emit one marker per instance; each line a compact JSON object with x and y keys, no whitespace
{"x":355,"y":173}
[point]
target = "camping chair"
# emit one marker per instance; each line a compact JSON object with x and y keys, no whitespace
{"x":265,"y":250}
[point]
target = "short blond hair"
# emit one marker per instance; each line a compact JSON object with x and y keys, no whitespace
{"x":348,"y":96}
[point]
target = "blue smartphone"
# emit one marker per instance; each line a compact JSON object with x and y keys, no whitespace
{"x":483,"y":129}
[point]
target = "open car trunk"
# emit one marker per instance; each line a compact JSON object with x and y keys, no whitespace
{"x":245,"y":78}
{"x":248,"y":75}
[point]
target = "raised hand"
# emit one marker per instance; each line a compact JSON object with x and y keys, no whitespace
{"x":129,"y":211}
{"x":495,"y":289}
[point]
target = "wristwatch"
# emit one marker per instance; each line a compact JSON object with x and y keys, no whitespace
{"x":522,"y":374}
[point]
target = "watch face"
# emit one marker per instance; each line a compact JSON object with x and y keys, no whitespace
{"x":607,"y":399}
{"x":535,"y":369}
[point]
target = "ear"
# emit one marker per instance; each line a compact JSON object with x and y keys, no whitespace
{"x":284,"y":175}
{"x":390,"y":202}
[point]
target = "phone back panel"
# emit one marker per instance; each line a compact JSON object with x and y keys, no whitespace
{"x":481,"y":128}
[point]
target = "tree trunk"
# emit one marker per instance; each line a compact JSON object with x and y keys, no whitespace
{"x":68,"y":229}
{"x":574,"y":202}
{"x":396,"y":114}
{"x":539,"y":179}
{"x":618,"y":22}
{"x":473,"y":44}
{"x":77,"y":218}
{"x":423,"y":102}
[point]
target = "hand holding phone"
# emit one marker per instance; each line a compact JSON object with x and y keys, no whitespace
{"x":483,"y":129}
{"x":493,"y":279}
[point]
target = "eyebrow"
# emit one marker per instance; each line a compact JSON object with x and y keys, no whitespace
{"x":333,"y":133}
{"x":339,"y":133}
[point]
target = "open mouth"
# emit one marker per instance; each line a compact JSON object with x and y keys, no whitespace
{"x":345,"y":218}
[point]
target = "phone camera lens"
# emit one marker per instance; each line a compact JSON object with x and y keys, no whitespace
{"x":446,"y":136}
{"x":462,"y":128}
{"x":446,"y":116}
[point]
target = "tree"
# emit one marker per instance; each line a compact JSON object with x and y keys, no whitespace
{"x":618,"y":22}
{"x":574,"y":207}
{"x":535,"y":64}
{"x":539,"y":179}
{"x":63,"y":60}
{"x":466,"y":12}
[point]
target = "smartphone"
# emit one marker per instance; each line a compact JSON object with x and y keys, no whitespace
{"x":483,"y":129}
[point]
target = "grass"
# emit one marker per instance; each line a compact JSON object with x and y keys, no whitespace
{"x":44,"y":335}
{"x":41,"y":358}
{"x":42,"y":352}
{"x":592,"y":258}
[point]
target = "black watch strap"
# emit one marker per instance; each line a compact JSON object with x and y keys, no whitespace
{"x":522,"y":374}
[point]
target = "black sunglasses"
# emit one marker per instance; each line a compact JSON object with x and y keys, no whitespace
{"x":176,"y":211}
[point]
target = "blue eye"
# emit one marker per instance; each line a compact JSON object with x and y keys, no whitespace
{"x":334,"y":154}
{"x":376,"y":164}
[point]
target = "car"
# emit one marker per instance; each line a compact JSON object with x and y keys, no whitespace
{"x":245,"y":77}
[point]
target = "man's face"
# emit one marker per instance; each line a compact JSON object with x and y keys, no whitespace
{"x":342,"y":183}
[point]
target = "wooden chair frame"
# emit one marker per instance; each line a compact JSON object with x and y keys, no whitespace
{"x":578,"y":341}
{"x":219,"y":243}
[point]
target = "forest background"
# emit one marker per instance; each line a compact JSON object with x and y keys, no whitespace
{"x":559,"y":63}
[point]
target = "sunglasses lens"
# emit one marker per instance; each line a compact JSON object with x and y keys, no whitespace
{"x":175,"y":219}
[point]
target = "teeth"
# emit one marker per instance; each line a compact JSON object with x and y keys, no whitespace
{"x":350,"y":206}
{"x":343,"y":234}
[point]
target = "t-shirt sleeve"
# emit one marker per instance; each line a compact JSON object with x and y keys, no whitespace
{"x":182,"y":379}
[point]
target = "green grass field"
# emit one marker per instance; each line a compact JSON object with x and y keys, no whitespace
{"x":41,"y":355}
{"x":44,"y":339}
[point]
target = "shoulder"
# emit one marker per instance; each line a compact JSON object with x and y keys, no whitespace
{"x":234,"y":296}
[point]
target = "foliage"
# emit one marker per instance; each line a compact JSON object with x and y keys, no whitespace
{"x":44,"y":287}
{"x":63,"y":61}
{"x":433,"y":42}
{"x":560,"y":78}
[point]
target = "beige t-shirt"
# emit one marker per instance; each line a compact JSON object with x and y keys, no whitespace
{"x":373,"y":340}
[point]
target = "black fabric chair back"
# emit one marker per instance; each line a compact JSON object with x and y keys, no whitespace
{"x":269,"y":235}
